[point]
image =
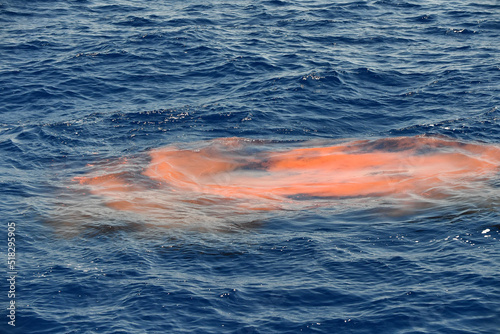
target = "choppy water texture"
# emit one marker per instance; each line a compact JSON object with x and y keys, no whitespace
{"x":133,"y":217}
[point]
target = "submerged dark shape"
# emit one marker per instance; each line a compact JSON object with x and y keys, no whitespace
{"x":228,"y":176}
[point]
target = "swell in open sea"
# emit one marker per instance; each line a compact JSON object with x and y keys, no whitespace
{"x":89,"y":87}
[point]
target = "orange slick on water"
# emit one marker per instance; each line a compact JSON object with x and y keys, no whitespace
{"x":249,"y":172}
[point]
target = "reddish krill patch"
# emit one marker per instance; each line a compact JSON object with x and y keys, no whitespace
{"x":252,"y":175}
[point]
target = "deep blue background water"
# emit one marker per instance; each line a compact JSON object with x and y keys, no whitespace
{"x":85,"y":81}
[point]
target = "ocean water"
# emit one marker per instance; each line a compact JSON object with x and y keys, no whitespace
{"x":87,"y":85}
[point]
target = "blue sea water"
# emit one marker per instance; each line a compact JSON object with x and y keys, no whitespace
{"x":86,"y":81}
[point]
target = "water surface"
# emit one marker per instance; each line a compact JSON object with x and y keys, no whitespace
{"x":91,"y":83}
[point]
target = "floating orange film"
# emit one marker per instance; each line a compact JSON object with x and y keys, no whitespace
{"x":260,"y":175}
